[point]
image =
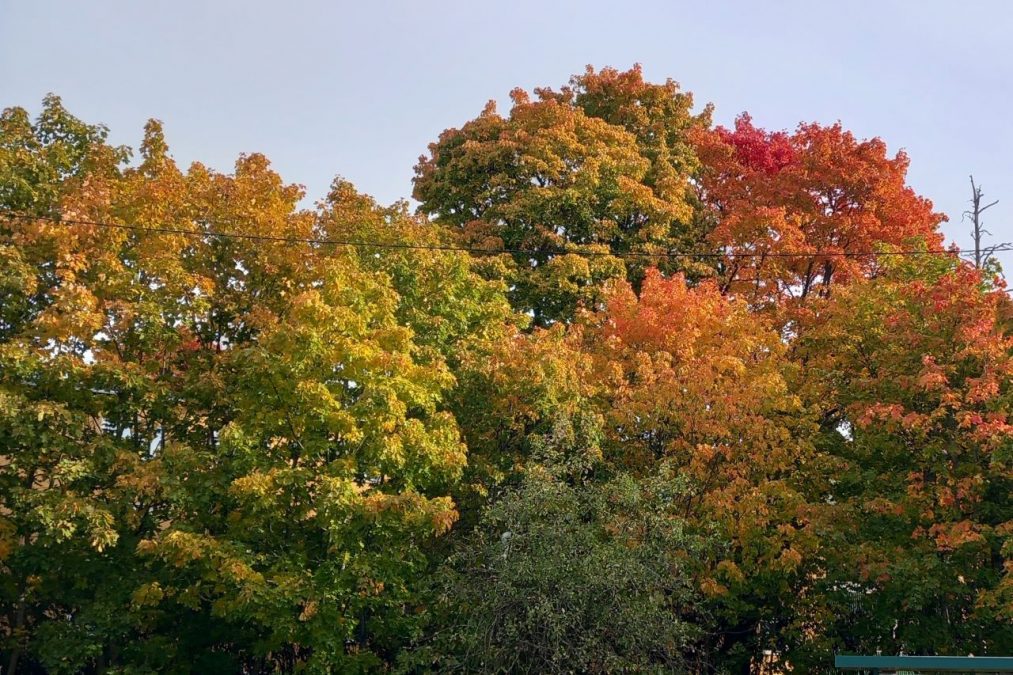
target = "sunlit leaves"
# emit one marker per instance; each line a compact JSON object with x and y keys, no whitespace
{"x":818,"y":192}
{"x":600,"y":168}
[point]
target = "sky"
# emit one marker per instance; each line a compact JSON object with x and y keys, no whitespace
{"x":359,"y":89}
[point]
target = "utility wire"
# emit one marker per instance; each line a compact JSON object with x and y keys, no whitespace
{"x":476,"y":249}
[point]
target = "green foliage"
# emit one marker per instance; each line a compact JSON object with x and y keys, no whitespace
{"x":218,"y":453}
{"x":912,"y":373}
{"x":40,"y":161}
{"x":589,"y":577}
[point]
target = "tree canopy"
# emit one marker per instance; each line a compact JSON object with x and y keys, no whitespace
{"x":627,"y":392}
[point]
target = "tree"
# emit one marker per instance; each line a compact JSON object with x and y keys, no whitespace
{"x":984,"y":256}
{"x":689,"y":397}
{"x":441,"y":295}
{"x":220,"y":453}
{"x":572,"y":182}
{"x":694,"y":382}
{"x":911,"y":373}
{"x":798,"y":212}
{"x":560,"y":577}
{"x":41,"y":160}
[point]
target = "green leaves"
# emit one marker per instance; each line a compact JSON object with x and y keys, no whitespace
{"x":587,"y":577}
{"x":227,"y":432}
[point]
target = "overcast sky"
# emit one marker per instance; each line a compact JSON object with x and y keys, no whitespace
{"x":360,"y":88}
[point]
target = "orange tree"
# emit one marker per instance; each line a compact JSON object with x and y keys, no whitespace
{"x":819,"y":192}
{"x":694,"y":385}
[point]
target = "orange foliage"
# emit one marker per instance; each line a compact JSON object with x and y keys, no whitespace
{"x":818,"y":191}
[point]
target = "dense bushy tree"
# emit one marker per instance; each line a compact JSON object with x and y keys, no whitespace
{"x":578,"y":180}
{"x":591,"y":577}
{"x":221,"y":453}
{"x":912,"y":373}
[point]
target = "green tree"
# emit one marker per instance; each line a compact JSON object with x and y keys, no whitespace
{"x":564,"y":576}
{"x":42,"y":159}
{"x":911,"y":373}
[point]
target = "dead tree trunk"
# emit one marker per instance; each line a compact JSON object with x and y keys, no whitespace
{"x":982,"y":254}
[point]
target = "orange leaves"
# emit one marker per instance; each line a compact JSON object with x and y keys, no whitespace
{"x":932,"y":377}
{"x":949,"y":536}
{"x":693,"y":381}
{"x":668,"y":316}
{"x":912,"y":371}
{"x":817,"y":191}
{"x":689,"y":361}
{"x":410,"y":510}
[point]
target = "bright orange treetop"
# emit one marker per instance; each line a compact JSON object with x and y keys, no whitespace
{"x":818,"y":191}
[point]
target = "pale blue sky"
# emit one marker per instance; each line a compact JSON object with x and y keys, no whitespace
{"x":359,"y":89}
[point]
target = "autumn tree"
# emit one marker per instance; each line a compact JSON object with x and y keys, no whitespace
{"x":42,"y":159}
{"x":911,"y":374}
{"x":440,"y":295}
{"x":797,"y":212}
{"x":220,"y":453}
{"x":573,"y":182}
{"x":694,"y":385}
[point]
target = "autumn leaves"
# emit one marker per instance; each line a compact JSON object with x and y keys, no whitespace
{"x":724,"y":392}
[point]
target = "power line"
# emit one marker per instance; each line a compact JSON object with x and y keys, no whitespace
{"x":360,"y":243}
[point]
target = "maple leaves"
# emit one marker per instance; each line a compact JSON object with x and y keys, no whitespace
{"x":247,"y":433}
{"x":695,"y":386}
{"x":707,"y":363}
{"x":818,"y":192}
{"x":912,"y":373}
{"x":569,"y":178}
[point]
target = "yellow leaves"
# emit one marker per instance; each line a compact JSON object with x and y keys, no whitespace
{"x":72,"y":314}
{"x":176,"y":547}
{"x":309,"y":610}
{"x":142,"y":479}
{"x":148,"y":595}
{"x":240,"y":573}
{"x":147,"y":547}
{"x":8,"y":538}
{"x":712,"y":588}
{"x":790,"y":559}
{"x":730,"y":365}
{"x":103,"y":537}
{"x":727,"y":569}
{"x":415,"y":511}
{"x":256,"y":485}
